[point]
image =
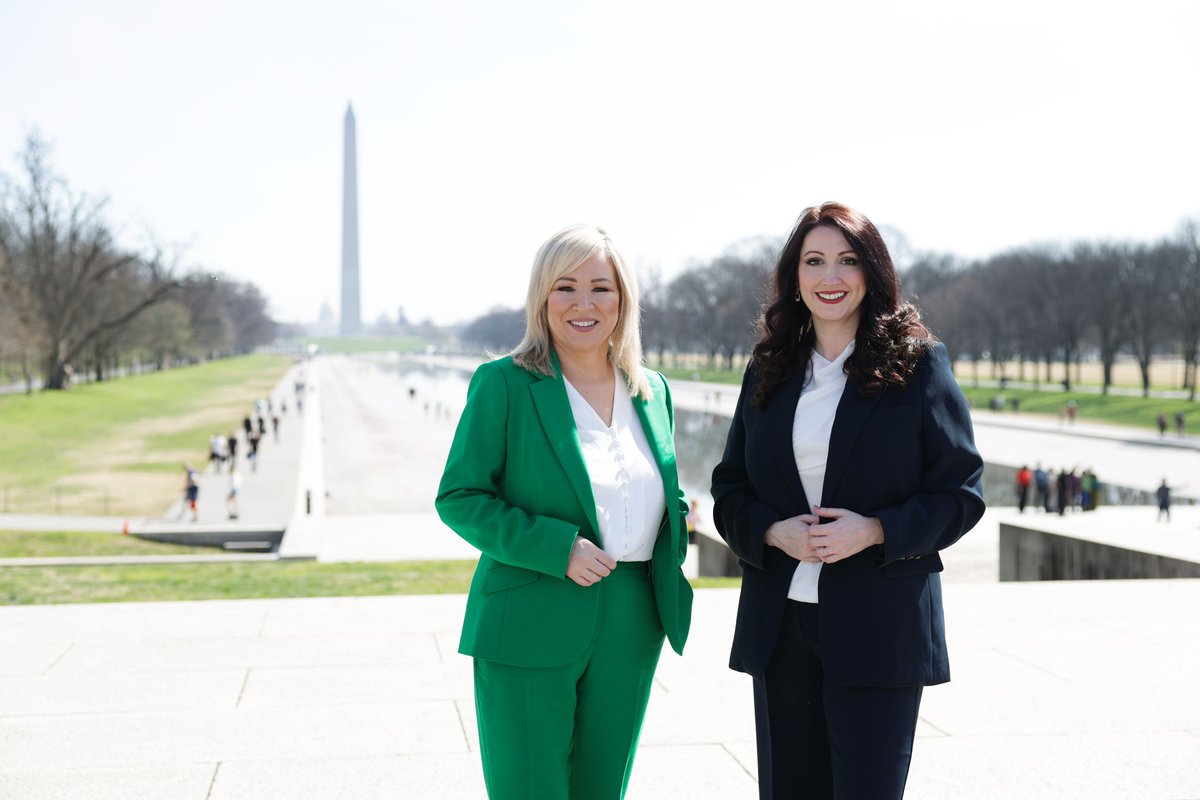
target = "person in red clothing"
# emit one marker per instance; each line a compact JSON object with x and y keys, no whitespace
{"x":1024,"y":480}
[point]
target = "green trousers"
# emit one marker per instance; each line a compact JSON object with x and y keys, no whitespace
{"x":570,"y":732}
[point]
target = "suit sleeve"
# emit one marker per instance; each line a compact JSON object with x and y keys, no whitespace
{"x":949,"y":501}
{"x":470,"y":497}
{"x":681,"y":535}
{"x":741,"y":518}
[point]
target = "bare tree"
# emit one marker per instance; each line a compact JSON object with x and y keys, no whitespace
{"x":1106,"y":290}
{"x":18,"y":344}
{"x":738,"y":280}
{"x":692,"y":304}
{"x":60,"y":254}
{"x":160,"y":335}
{"x":1186,"y":301}
{"x":1146,"y":274}
{"x":655,"y":325}
{"x":497,"y":331}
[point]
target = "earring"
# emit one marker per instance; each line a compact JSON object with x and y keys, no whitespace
{"x":797,"y":294}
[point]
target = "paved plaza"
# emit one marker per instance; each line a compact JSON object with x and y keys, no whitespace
{"x":1060,"y":690}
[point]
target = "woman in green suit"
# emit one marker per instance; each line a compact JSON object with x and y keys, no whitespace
{"x":562,"y":473}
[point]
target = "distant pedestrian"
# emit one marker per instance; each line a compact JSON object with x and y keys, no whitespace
{"x":1164,"y":501}
{"x":233,"y":448}
{"x":252,"y":445}
{"x":1179,"y":423}
{"x":191,"y":493}
{"x":1072,"y":411}
{"x":214,"y":452}
{"x":1064,"y":491}
{"x":262,"y":425}
{"x":1040,"y":479}
{"x":693,"y":517}
{"x":247,"y":425}
{"x":1051,"y":492}
{"x":1024,"y":480}
{"x":1087,"y":489}
{"x":235,"y":486}
{"x":275,"y":426}
{"x":1162,"y":424}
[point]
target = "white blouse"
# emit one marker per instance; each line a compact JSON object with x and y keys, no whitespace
{"x":811,"y":428}
{"x":626,"y":482}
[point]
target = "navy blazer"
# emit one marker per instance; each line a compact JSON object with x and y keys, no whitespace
{"x":905,"y":456}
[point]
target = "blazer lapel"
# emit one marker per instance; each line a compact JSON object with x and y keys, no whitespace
{"x":554,"y":411}
{"x":657,"y":428}
{"x":852,"y":412}
{"x":780,"y":418}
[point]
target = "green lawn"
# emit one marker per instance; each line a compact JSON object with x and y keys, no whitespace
{"x":709,"y":375}
{"x":1138,"y":412}
{"x":52,"y":544}
{"x":116,"y":447}
{"x":241,"y":580}
{"x":228,"y":581}
{"x":715,"y":583}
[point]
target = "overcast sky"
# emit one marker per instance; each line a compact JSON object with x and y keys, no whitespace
{"x":484,"y":127}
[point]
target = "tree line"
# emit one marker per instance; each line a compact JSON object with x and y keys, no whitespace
{"x":72,"y":298}
{"x":1042,"y":304}
{"x":1036,"y":305}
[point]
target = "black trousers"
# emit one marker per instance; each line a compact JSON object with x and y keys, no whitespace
{"x":823,"y":741}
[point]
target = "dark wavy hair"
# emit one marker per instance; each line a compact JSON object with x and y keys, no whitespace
{"x":890,"y":335}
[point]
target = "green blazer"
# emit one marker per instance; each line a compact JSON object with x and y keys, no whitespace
{"x":516,"y":487}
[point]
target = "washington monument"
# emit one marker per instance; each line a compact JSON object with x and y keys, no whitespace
{"x":351,"y":320}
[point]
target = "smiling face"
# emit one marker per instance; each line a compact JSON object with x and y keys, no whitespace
{"x":583,"y":307}
{"x":831,"y":280}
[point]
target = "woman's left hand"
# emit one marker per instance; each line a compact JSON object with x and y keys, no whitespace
{"x":849,"y":533}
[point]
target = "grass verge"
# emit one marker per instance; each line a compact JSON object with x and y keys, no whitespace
{"x":55,"y":544}
{"x":715,"y":583}
{"x":733,"y":377}
{"x":1137,"y":412}
{"x":229,"y":581}
{"x":123,"y":583}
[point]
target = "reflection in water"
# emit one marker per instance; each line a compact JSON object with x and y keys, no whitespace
{"x":700,"y":438}
{"x":700,"y":441}
{"x":441,"y":387}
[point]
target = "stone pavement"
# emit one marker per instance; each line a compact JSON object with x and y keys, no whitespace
{"x":1060,"y":690}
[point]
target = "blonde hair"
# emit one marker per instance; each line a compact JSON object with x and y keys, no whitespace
{"x":562,"y":254}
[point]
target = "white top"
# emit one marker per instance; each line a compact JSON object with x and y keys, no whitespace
{"x":810,"y":444}
{"x":626,"y":483}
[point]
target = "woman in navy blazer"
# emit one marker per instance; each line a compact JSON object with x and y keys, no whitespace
{"x":850,"y":463}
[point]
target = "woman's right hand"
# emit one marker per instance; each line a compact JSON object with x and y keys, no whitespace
{"x":588,"y":563}
{"x":792,"y":536}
